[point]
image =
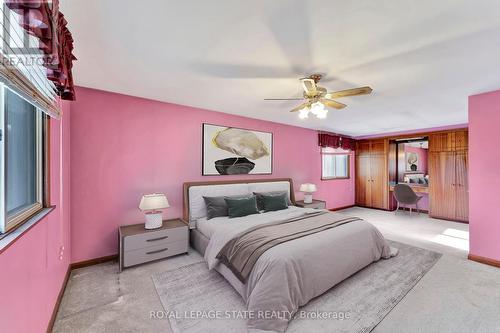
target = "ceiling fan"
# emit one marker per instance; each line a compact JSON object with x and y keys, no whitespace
{"x":318,"y":97}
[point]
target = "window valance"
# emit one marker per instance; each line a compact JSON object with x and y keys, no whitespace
{"x":42,"y":19}
{"x":336,"y":141}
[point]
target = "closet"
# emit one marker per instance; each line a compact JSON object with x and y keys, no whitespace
{"x":448,"y":183}
{"x":371,"y":173}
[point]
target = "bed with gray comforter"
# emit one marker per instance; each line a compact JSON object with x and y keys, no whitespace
{"x":280,"y":261}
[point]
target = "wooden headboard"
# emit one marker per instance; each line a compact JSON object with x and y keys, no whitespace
{"x":187,"y":185}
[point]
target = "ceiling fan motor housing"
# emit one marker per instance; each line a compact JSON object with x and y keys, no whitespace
{"x":320,"y":92}
{"x":315,"y":77}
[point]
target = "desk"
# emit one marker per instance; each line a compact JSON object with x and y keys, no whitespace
{"x":415,"y":188}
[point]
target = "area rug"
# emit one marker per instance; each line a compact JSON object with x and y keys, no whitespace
{"x":198,"y":300}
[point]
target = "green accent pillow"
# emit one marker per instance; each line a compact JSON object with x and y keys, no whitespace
{"x":274,"y":202}
{"x":260,"y":195}
{"x":238,"y":207}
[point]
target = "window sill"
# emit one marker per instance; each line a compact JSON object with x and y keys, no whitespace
{"x":336,"y":178}
{"x":11,"y":237}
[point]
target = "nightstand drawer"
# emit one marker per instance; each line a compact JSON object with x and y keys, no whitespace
{"x":155,"y":252}
{"x":153,"y":238}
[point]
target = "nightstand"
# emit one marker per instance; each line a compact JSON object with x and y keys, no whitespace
{"x":139,"y":245}
{"x":316,"y":204}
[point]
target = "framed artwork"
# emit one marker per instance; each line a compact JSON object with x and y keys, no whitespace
{"x":236,"y":151}
{"x":412,"y":162}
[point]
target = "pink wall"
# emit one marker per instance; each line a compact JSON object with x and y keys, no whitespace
{"x":123,"y":147}
{"x":32,"y":273}
{"x":484,"y":182}
{"x":422,"y":157}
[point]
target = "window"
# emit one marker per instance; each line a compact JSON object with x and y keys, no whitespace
{"x":22,"y":62}
{"x":335,"y":164}
{"x":21,"y":157}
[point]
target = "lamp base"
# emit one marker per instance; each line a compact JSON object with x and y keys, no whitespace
{"x":308,"y":198}
{"x":153,"y":221}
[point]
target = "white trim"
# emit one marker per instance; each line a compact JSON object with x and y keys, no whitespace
{"x":3,"y":214}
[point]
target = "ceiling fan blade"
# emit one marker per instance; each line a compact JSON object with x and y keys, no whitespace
{"x":332,"y":104}
{"x":309,"y":86}
{"x":350,"y":92}
{"x":283,"y":99}
{"x":301,"y":106}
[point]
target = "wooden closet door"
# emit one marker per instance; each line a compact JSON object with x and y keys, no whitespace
{"x":441,"y":142}
{"x":363,"y":148}
{"x":442,"y":193}
{"x":378,"y":147}
{"x":461,"y":140}
{"x":363,"y":193}
{"x":378,"y":180}
{"x":461,"y":186}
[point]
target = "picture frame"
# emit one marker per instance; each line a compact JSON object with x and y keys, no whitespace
{"x":228,"y":150}
{"x":412,"y":162}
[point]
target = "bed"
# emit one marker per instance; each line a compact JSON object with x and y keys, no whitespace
{"x":289,"y":274}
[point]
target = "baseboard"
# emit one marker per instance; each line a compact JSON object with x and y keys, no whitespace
{"x":50,"y":326}
{"x":447,"y":219}
{"x":340,"y":208}
{"x":484,"y":260}
{"x":75,"y":265}
{"x":94,"y":261}
{"x":382,"y":209}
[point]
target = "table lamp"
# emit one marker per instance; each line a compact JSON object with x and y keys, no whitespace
{"x":151,"y":205}
{"x":308,"y":189}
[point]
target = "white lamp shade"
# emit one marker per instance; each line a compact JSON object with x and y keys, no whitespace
{"x":153,"y":201}
{"x":309,"y":188}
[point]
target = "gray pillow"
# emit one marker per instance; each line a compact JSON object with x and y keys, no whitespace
{"x":260,"y":195}
{"x":217,"y":206}
{"x":274,"y":202}
{"x":238,"y":207}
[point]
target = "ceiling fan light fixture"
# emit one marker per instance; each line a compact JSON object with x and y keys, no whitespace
{"x":321,"y":114}
{"x":317,"y":108}
{"x":304,"y":113}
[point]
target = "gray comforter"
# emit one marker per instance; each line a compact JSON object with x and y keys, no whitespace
{"x":291,"y":273}
{"x":242,"y":252}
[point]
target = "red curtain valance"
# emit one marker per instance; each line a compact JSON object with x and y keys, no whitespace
{"x":42,"y":19}
{"x":336,"y":141}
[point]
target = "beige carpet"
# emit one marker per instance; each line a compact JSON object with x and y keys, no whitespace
{"x":365,"y":298}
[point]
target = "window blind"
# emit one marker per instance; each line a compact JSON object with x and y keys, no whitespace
{"x":22,"y":63}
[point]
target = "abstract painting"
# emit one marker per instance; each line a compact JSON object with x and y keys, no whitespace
{"x":412,"y":162}
{"x":236,"y":151}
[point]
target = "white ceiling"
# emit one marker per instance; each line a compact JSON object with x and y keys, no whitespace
{"x":422,"y":58}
